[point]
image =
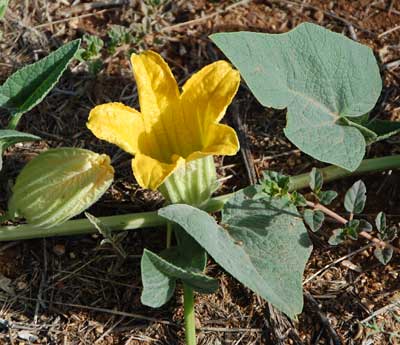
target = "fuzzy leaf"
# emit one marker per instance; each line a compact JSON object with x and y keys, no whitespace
{"x":319,"y":76}
{"x":326,"y":197}
{"x":263,"y":244}
{"x":159,"y":275}
{"x":338,"y":236}
{"x":355,"y":198}
{"x":316,"y":180}
{"x":380,"y":222}
{"x":29,"y":85}
{"x":314,"y":219}
{"x":384,"y":255}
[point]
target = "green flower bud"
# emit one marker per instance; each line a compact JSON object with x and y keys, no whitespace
{"x":58,"y":185}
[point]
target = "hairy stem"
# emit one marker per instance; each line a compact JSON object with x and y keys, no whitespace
{"x":190,"y":322}
{"x":343,"y":221}
{"x":151,"y":219}
{"x":332,"y":172}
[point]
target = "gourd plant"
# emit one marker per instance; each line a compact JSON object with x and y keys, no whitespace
{"x":328,"y":84}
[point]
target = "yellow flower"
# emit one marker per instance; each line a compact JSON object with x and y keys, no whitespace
{"x":172,"y":128}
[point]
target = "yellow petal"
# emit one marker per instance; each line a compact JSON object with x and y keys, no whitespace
{"x":207,"y":94}
{"x":151,"y":173}
{"x":220,"y":140}
{"x":157,"y":87}
{"x":117,"y":124}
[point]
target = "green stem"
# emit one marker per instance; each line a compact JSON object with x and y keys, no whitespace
{"x":151,"y":219}
{"x":14,"y":121}
{"x":333,"y":172}
{"x":190,"y":322}
{"x":82,"y":226}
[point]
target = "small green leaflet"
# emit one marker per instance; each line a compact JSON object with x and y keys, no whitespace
{"x":321,"y":77}
{"x":314,"y":219}
{"x":3,"y":8}
{"x":384,"y":255}
{"x":316,"y":180}
{"x":28,"y":86}
{"x":355,"y":198}
{"x":10,"y":137}
{"x":263,"y":244}
{"x":326,"y":197}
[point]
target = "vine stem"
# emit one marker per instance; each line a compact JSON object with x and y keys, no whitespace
{"x":134,"y":221}
{"x":190,"y":322}
{"x":342,"y":220}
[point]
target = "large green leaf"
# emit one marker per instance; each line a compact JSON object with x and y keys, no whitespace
{"x":28,"y":86}
{"x":320,"y":76}
{"x":10,"y":137}
{"x":262,"y":243}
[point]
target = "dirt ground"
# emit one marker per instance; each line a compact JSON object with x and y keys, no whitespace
{"x":74,"y":291}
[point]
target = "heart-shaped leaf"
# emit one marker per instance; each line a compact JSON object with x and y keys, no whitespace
{"x":321,"y":77}
{"x":262,"y":243}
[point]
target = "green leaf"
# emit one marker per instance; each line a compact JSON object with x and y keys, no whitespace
{"x":3,"y":8}
{"x":298,"y":199}
{"x":314,"y":219}
{"x":326,"y":197}
{"x":28,"y":86}
{"x":365,"y":226}
{"x":338,"y":236}
{"x":380,"y":222}
{"x":319,"y":76}
{"x":355,"y":198}
{"x":159,"y":275}
{"x":262,"y":243}
{"x":352,"y":229}
{"x":10,"y":137}
{"x":158,"y":288}
{"x":316,"y":180}
{"x":384,"y":255}
{"x":384,"y":129}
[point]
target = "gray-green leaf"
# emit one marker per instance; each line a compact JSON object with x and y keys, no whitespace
{"x":28,"y":86}
{"x":326,"y":197}
{"x":316,"y":180}
{"x":337,"y":237}
{"x":380,"y":222}
{"x":314,"y":219}
{"x":159,"y":275}
{"x":355,"y":198}
{"x":319,"y":76}
{"x":384,"y":255}
{"x":263,"y":244}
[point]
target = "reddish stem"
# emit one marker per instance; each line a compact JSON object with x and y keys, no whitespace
{"x":342,"y":220}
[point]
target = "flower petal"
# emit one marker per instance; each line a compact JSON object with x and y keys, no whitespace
{"x":151,"y":173}
{"x":207,"y":94}
{"x":117,"y":124}
{"x":221,"y":140}
{"x":156,"y":85}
